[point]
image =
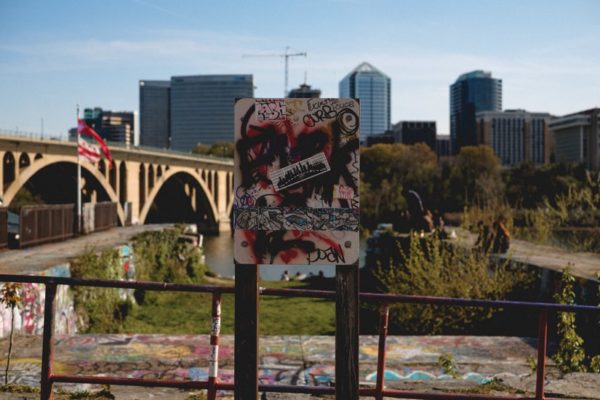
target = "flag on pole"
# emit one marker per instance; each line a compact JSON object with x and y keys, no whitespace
{"x":90,"y":151}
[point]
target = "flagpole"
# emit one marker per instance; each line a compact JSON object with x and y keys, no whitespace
{"x":78,"y":179}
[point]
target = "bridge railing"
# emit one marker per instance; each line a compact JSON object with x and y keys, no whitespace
{"x":48,"y":377}
{"x":45,"y":223}
{"x":111,"y":144}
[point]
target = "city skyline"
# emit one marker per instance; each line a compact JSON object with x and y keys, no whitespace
{"x":60,"y":54}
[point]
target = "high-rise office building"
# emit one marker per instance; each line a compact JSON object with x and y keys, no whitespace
{"x":111,"y":126}
{"x":412,"y":132}
{"x":577,"y":138}
{"x":202,"y":108}
{"x":373,"y":88}
{"x":442,"y":146}
{"x":472,"y":92}
{"x":155,"y":120}
{"x":304,"y":91}
{"x":516,"y":136}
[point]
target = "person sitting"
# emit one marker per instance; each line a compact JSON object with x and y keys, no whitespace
{"x":285,"y":276}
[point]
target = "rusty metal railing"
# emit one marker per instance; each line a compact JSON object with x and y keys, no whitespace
{"x":212,"y":385}
{"x":105,"y":216}
{"x":3,"y":227}
{"x":46,"y":223}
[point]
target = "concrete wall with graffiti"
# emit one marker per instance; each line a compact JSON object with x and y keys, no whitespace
{"x":296,"y":181}
{"x":29,"y":314}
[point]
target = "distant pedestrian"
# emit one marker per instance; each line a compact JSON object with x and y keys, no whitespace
{"x":501,"y":237}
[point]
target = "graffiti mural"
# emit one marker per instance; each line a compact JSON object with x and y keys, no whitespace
{"x":296,"y":181}
{"x":29,"y":314}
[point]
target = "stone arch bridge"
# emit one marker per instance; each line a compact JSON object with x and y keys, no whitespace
{"x":149,"y":185}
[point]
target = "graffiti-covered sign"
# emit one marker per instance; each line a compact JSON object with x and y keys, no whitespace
{"x":296,"y":181}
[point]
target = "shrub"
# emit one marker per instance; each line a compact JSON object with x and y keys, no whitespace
{"x":430,"y":267}
{"x":99,"y":309}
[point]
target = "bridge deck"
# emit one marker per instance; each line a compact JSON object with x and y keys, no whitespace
{"x":40,"y":258}
{"x":583,"y":265}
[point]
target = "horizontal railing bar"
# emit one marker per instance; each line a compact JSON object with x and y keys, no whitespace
{"x":325,"y":294}
{"x":160,"y":286}
{"x":406,"y":394}
{"x":109,"y":380}
{"x":296,"y":389}
{"x":451,"y":301}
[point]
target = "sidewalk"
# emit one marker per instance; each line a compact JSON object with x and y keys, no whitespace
{"x":412,"y":362}
{"x":36,"y":259}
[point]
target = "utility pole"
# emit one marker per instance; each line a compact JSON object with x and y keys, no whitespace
{"x":286,"y":56}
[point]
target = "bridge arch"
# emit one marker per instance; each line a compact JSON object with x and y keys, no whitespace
{"x":42,"y":163}
{"x":169,"y":173}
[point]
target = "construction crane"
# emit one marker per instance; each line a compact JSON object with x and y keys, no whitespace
{"x":286,"y":57}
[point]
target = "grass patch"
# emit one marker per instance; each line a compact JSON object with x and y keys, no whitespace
{"x":189,"y":313}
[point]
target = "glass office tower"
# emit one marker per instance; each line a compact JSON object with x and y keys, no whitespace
{"x":202,"y":108}
{"x":373,"y":88}
{"x":472,"y":92}
{"x":155,"y":121}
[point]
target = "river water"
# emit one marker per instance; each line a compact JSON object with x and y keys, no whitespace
{"x":218,"y":251}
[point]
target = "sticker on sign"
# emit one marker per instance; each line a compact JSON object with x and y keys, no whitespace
{"x":299,"y":172}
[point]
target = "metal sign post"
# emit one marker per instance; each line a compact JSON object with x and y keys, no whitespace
{"x":296,"y":201}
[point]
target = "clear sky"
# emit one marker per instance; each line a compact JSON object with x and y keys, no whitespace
{"x":56,"y":54}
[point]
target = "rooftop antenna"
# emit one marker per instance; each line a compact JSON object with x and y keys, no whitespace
{"x":286,"y":55}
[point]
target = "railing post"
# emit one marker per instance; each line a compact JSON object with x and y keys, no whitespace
{"x":213,"y":362}
{"x":246,"y":332}
{"x":541,"y":361}
{"x":346,"y":332}
{"x":384,"y":314}
{"x":47,"y":344}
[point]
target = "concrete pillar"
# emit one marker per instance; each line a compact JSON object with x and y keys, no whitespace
{"x":117,"y":168}
{"x":17,"y":156}
{"x":224,"y":223}
{"x":133,"y":190}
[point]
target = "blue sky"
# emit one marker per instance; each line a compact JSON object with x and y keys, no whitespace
{"x":56,"y":54}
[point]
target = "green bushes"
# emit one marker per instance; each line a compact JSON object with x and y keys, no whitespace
{"x":161,"y":257}
{"x":431,"y":268}
{"x":158,"y":256}
{"x":99,"y":309}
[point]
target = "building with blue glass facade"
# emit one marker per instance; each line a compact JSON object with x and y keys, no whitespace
{"x":373,"y":88}
{"x":155,"y":120}
{"x":472,"y":92}
{"x":202,"y":108}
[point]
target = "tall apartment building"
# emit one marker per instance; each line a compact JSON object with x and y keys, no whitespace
{"x":202,"y":108}
{"x":111,"y":126}
{"x":577,"y":138}
{"x":472,"y":92}
{"x":304,"y":91}
{"x":155,"y":119}
{"x":373,"y":88}
{"x":516,"y":136}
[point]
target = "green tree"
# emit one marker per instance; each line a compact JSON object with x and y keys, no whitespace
{"x":222,"y":149}
{"x":218,"y":149}
{"x":475,"y":178}
{"x":388,"y":171}
{"x":9,"y":296}
{"x":201,"y":148}
{"x":570,"y":356}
